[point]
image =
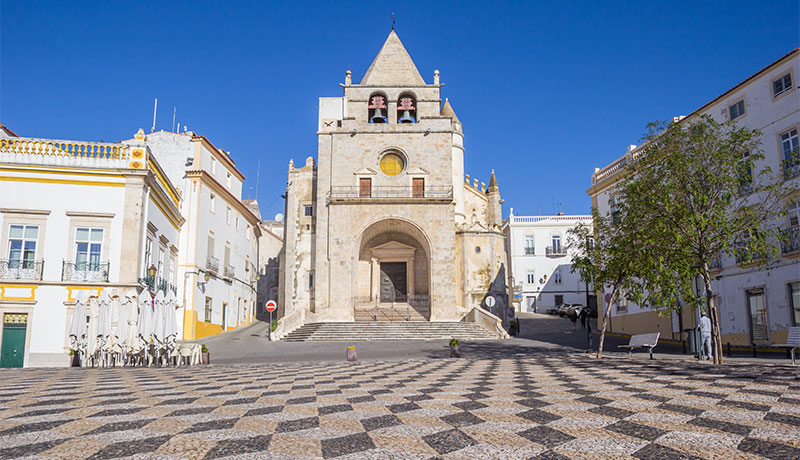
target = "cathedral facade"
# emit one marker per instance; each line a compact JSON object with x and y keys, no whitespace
{"x":384,"y":225}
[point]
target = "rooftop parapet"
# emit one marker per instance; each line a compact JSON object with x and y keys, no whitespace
{"x":27,"y":150}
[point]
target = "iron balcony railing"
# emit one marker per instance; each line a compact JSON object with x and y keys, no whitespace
{"x":791,"y":167}
{"x":357,"y":192}
{"x":93,"y":272}
{"x":21,"y":269}
{"x":212,"y":264}
{"x":556,"y":251}
{"x":158,"y":284}
{"x":411,"y":308}
{"x":746,"y":256}
{"x":790,"y":240}
{"x":715,"y":263}
{"x":229,"y":271}
{"x":529,"y":251}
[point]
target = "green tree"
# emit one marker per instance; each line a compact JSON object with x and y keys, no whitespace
{"x":604,"y":256}
{"x":695,"y":191}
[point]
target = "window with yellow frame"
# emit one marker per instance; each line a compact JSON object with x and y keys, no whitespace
{"x":392,"y":164}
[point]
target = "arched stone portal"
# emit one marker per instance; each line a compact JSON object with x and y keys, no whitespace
{"x":392,"y":273}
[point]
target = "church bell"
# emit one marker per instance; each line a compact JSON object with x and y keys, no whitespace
{"x":406,"y":118}
{"x":377,"y":116}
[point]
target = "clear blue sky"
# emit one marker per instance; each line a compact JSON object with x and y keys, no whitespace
{"x":547,"y":91}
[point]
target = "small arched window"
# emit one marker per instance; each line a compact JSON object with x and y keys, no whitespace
{"x":377,"y":108}
{"x":406,"y":109}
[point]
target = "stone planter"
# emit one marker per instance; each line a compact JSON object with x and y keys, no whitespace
{"x":455,"y":351}
{"x":205,"y":358}
{"x":352,"y":355}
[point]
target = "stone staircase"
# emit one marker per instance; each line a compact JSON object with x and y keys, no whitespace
{"x":387,"y":331}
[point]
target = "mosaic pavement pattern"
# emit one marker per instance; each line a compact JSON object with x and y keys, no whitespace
{"x":547,"y":407}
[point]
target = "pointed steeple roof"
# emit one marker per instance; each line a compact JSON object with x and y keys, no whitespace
{"x":447,"y":111}
{"x":392,"y":66}
{"x":493,"y":188}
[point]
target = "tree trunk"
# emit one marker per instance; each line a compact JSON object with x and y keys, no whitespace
{"x":605,"y":323}
{"x":713,"y":314}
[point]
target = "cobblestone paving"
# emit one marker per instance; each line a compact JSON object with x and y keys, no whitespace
{"x":549,"y":407}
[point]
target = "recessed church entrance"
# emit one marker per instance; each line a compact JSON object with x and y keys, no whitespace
{"x":394,"y":286}
{"x":392,"y":273}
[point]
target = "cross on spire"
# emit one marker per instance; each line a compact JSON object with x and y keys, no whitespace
{"x":392,"y":21}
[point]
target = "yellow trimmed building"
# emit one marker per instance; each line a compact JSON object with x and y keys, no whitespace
{"x":218,"y":256}
{"x":76,"y":216}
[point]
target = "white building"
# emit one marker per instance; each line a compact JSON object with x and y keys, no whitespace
{"x":76,"y":216}
{"x":757,"y":304}
{"x":541,"y":264}
{"x":219,"y":240}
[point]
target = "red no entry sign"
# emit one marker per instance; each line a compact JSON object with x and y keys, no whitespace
{"x":271,"y":306}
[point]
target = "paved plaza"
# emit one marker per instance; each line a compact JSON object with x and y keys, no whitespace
{"x":554,"y":405}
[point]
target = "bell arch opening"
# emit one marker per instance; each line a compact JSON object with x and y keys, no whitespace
{"x":392,"y":273}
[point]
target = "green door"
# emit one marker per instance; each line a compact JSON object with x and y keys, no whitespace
{"x":13,"y":347}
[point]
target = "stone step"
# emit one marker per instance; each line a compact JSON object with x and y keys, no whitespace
{"x":386,"y":331}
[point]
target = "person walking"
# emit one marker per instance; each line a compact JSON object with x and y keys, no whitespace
{"x":705,"y":334}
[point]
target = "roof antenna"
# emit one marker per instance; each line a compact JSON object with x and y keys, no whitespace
{"x":258,"y":173}
{"x":155,"y":106}
{"x":392,"y":21}
{"x":173,"y":118}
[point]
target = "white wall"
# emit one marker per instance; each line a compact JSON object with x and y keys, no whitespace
{"x":544,"y":288}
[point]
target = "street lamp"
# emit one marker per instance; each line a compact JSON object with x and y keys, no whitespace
{"x":152,"y":271}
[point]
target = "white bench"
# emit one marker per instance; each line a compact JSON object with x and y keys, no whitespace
{"x":642,"y":341}
{"x":792,"y":341}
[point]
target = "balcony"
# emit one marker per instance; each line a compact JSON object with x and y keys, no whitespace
{"x":791,"y":168}
{"x":212,"y":264}
{"x":399,"y":193}
{"x":745,"y":257}
{"x":715,"y":264}
{"x":86,"y":272}
{"x":230,"y":272}
{"x":556,"y":251}
{"x":29,"y":270}
{"x":529,"y":251}
{"x":790,"y":240}
{"x":158,"y":284}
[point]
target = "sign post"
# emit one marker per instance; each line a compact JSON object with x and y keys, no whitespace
{"x":270,"y":306}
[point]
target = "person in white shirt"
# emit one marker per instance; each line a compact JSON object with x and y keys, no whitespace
{"x":705,"y":334}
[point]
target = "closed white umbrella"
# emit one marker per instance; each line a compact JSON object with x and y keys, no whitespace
{"x":119,"y":315}
{"x":104,"y":315}
{"x":77,"y":328}
{"x":132,"y":328}
{"x":170,"y":306}
{"x":145,"y":317}
{"x":158,"y":319}
{"x":93,"y":310}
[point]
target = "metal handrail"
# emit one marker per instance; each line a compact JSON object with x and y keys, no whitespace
{"x":791,"y":167}
{"x":356,"y":192}
{"x":790,"y":240}
{"x":389,"y":310}
{"x":85,"y":271}
{"x":21,"y":269}
{"x":212,"y":264}
{"x":158,"y":284}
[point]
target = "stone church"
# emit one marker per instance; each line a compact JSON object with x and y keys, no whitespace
{"x":384,"y":225}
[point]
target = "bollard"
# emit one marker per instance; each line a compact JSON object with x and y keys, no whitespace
{"x":754,"y":350}
{"x":352,"y":355}
{"x":729,"y":350}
